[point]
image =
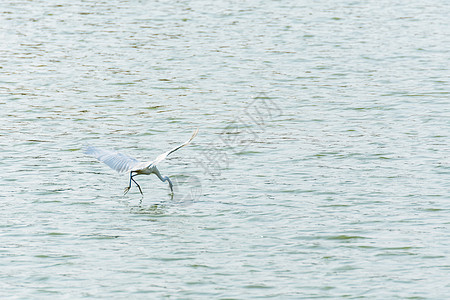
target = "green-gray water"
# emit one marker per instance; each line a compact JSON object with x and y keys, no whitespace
{"x":321,"y":169}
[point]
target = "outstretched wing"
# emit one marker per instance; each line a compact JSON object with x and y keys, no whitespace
{"x":164,"y":155}
{"x":116,"y":161}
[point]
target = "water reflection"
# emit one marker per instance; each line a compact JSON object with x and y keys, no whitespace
{"x":334,"y":185}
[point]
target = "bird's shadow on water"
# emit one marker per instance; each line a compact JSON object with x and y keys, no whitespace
{"x":149,"y":208}
{"x":154,"y":209}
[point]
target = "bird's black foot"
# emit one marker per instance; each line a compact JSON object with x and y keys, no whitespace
{"x":137,"y":185}
{"x":140,"y":190}
{"x":125,"y":191}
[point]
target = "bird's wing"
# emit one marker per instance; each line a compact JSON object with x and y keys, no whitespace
{"x":164,"y":155}
{"x":116,"y":161}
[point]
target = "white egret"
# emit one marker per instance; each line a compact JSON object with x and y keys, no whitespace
{"x":124,"y":164}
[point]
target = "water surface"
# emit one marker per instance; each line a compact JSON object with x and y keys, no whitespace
{"x":321,"y":169}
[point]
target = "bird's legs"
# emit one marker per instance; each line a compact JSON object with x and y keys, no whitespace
{"x":164,"y":179}
{"x":129,"y":185}
{"x":137,"y":186}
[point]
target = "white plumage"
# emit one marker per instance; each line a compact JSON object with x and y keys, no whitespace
{"x":123,"y":163}
{"x":115,"y":160}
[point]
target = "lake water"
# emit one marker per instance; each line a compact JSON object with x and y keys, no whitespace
{"x":321,"y":168}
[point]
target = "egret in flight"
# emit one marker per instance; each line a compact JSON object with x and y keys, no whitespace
{"x":124,"y":164}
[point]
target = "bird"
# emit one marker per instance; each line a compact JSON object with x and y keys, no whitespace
{"x":125,"y":164}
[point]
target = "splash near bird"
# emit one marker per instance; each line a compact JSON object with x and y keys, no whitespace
{"x":124,"y":164}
